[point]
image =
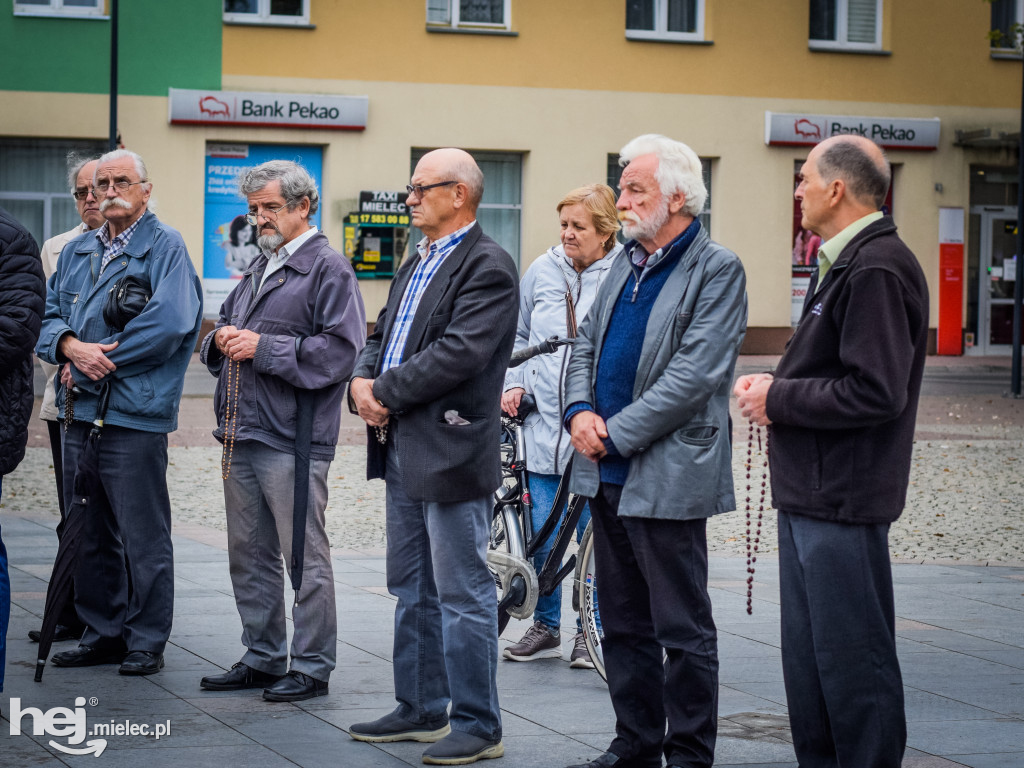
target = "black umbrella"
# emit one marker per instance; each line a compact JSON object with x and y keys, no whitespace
{"x":87,"y":484}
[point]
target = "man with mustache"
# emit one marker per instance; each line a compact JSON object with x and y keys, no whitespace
{"x":69,"y":626}
{"x":648,"y":392}
{"x":841,"y":410}
{"x":283,"y":349}
{"x":128,"y":523}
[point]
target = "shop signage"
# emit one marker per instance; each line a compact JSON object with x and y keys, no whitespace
{"x":805,"y":130}
{"x":268,"y":110}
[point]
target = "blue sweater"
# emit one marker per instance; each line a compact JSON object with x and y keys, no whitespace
{"x":623,"y":341}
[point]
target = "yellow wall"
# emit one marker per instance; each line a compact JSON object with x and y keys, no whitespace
{"x":939,"y":52}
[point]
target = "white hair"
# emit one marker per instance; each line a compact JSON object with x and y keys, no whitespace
{"x":679,"y":168}
{"x":121,"y":154}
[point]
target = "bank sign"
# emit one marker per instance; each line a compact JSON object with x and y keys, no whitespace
{"x":268,"y":110}
{"x":800,"y":130}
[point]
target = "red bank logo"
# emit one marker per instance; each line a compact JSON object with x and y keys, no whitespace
{"x":806,"y":128}
{"x":211,"y":106}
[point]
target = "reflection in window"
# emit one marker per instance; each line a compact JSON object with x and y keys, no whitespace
{"x":854,"y":24}
{"x":481,"y":13}
{"x":59,"y":7}
{"x":267,"y":11}
{"x":665,"y":19}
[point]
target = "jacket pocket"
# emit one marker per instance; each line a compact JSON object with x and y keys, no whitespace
{"x":698,"y":435}
{"x":68,"y":299}
{"x":679,"y":326}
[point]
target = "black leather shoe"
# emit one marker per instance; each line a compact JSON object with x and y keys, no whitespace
{"x":62,"y":633}
{"x":86,"y":656}
{"x":239,"y":677}
{"x":142,"y":663}
{"x":295,"y":686}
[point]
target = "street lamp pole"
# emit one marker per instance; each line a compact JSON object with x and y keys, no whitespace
{"x":112,"y":145}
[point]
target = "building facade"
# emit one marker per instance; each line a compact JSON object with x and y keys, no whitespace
{"x":544,"y":94}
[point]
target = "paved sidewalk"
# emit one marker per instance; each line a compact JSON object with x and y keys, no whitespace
{"x":960,"y":628}
{"x":960,"y":633}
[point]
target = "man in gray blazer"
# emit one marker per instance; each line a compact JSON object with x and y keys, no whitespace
{"x":428,"y":385}
{"x":650,"y":421}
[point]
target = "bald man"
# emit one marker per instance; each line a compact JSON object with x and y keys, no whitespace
{"x":428,"y":384}
{"x":841,"y":409}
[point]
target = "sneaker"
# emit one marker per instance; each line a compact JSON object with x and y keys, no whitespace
{"x":393,"y":727}
{"x":580,"y":658}
{"x":539,"y":642}
{"x":458,"y":748}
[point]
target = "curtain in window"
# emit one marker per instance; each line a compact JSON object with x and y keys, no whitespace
{"x":285,"y":7}
{"x":482,"y":11}
{"x":439,"y":12}
{"x":640,"y":14}
{"x":1004,"y":14}
{"x":823,"y":20}
{"x":241,"y":6}
{"x":682,"y":15}
{"x":861,"y":20}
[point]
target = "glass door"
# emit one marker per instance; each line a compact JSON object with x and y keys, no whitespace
{"x":997,"y":268}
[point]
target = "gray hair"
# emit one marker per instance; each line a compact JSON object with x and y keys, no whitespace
{"x":468,"y":172}
{"x":866,"y":178}
{"x":679,"y":168}
{"x":296,"y":183}
{"x":121,"y":154}
{"x":76,"y":163}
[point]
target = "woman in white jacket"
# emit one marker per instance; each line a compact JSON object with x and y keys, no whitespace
{"x":555,"y":294}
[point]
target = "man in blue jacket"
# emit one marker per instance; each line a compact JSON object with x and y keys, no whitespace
{"x":284,"y":345}
{"x":125,"y":563}
{"x":648,"y":392}
{"x":841,"y":408}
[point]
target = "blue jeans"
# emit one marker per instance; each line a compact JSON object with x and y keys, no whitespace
{"x":543,"y":489}
{"x":446,"y":620}
{"x":5,"y":601}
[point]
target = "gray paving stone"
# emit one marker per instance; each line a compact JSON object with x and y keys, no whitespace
{"x":984,"y":736}
{"x":1002,"y":760}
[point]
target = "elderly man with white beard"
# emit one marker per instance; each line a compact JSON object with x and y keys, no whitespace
{"x":648,"y":392}
{"x":125,"y":558}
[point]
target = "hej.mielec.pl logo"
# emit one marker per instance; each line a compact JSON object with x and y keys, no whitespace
{"x":70,"y":724}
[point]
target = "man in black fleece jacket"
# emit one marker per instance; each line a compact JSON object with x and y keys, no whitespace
{"x":841,"y":408}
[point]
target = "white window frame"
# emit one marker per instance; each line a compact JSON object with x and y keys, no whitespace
{"x":455,"y":22}
{"x":841,"y":43}
{"x":1018,"y":19}
{"x":57,"y":8}
{"x":661,"y":32}
{"x":264,"y":16}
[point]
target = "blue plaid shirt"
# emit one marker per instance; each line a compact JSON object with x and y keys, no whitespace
{"x":431,"y":258}
{"x":113,"y":248}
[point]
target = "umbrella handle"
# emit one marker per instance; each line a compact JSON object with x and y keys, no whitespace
{"x":104,"y":402}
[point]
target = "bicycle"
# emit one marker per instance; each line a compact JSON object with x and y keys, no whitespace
{"x":513,"y":542}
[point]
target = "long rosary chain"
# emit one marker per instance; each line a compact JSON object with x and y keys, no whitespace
{"x":754,"y":433}
{"x":69,"y":407}
{"x":230,"y":418}
{"x":382,"y":434}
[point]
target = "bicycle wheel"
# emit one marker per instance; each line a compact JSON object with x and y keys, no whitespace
{"x":585,"y":599}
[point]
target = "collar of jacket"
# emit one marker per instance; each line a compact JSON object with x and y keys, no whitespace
{"x":884,"y":226}
{"x":301,"y":261}
{"x":557,"y":254}
{"x":139,"y":245}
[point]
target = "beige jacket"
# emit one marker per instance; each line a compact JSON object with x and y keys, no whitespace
{"x":50,"y":251}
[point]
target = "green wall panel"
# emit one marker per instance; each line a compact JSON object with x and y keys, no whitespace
{"x":162,"y":44}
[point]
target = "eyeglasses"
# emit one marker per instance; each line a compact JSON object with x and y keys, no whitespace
{"x":120,"y":185}
{"x":268,"y":212}
{"x":419,"y":189}
{"x":81,"y":193}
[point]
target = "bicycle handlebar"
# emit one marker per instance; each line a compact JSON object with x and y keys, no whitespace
{"x":545,"y":347}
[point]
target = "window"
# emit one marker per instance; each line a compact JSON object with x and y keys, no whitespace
{"x":294,"y":12}
{"x":59,"y":7}
{"x":846,"y":24}
{"x":501,"y":209}
{"x":615,"y":173}
{"x":479,"y":14}
{"x":1007,"y":16}
{"x":34,"y":182}
{"x":665,"y":20}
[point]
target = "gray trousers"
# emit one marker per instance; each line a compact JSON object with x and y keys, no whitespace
{"x":259,"y":499}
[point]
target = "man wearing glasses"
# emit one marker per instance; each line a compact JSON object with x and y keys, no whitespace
{"x":125,"y":564}
{"x":69,"y":626}
{"x":283,"y":349}
{"x":428,"y":385}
